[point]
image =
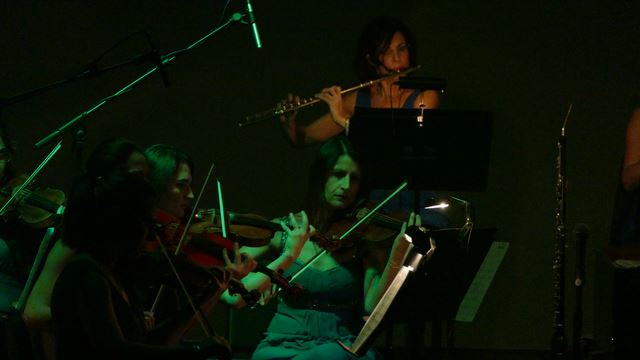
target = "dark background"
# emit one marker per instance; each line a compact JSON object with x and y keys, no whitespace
{"x":523,"y":61}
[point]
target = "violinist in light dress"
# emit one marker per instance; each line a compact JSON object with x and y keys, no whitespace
{"x":342,"y":285}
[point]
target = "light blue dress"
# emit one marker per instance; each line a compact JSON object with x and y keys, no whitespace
{"x":329,"y":310}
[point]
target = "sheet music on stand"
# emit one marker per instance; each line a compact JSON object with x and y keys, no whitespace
{"x":443,"y":150}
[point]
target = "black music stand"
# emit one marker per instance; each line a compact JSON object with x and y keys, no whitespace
{"x":435,"y":149}
{"x":432,"y":292}
{"x":436,"y":290}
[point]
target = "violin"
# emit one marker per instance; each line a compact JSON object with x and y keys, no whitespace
{"x":205,"y":235}
{"x":171,"y":228}
{"x":37,"y":208}
{"x":377,"y":228}
{"x":247,"y":229}
{"x":206,"y":243}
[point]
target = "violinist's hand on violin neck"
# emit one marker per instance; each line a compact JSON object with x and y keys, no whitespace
{"x":419,"y":235}
{"x":297,"y":234}
{"x":414,"y":220}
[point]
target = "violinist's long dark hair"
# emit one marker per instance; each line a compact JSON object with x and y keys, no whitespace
{"x":109,"y":217}
{"x":163,"y":163}
{"x":374,"y":41}
{"x":107,"y":161}
{"x":315,"y":203}
{"x":110,"y":157}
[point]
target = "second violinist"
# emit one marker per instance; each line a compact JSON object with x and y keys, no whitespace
{"x":170,"y":173}
{"x":342,"y":285}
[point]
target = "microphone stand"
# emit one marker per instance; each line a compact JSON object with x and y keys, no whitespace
{"x":91,"y":71}
{"x":164,"y":59}
{"x":74,"y":123}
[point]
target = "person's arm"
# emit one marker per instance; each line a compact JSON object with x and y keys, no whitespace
{"x":37,"y":312}
{"x":295,"y":239}
{"x":631,"y":165}
{"x":376,"y":282}
{"x":327,"y":126}
{"x":429,"y":99}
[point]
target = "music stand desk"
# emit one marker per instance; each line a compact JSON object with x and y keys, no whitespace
{"x":446,"y":150}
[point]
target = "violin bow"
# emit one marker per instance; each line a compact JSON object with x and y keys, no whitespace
{"x":276,"y":278}
{"x":222,"y":214}
{"x":193,"y":211}
{"x":204,"y":323}
{"x":352,"y":228}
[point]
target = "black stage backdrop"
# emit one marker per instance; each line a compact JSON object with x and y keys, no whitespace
{"x":523,"y":61}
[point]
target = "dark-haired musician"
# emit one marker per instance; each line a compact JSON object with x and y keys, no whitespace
{"x":341,"y":285}
{"x":385,"y":46}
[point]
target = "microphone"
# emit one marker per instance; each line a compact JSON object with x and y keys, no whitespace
{"x":252,"y":22}
{"x":581,"y":232}
{"x":157,"y":60}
